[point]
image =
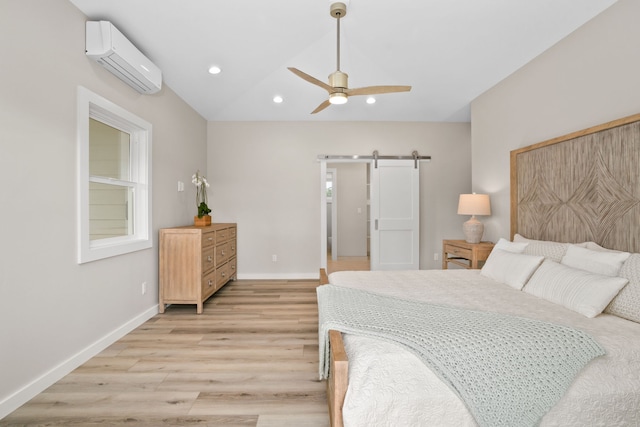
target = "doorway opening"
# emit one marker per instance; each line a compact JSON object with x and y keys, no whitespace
{"x":347,"y":210}
{"x":344,"y":207}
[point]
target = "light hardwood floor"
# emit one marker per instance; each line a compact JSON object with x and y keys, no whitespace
{"x":357,"y":263}
{"x":251,"y":359}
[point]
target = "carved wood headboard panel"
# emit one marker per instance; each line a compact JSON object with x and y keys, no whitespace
{"x":580,"y":187}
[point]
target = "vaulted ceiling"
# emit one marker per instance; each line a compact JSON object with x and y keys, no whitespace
{"x":449,"y":51}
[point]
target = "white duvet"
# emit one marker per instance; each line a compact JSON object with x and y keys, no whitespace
{"x":389,"y":386}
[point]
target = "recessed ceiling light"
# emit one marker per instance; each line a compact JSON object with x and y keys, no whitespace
{"x":371,"y":100}
{"x":215,"y":69}
{"x":277,"y":99}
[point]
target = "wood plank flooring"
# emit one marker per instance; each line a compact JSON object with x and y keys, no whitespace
{"x":353,"y":263}
{"x":251,"y":359}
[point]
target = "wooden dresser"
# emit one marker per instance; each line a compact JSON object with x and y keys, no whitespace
{"x":195,"y":262}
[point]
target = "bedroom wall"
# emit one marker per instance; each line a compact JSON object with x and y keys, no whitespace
{"x":265,"y":176}
{"x":589,"y":78}
{"x":54,"y":312}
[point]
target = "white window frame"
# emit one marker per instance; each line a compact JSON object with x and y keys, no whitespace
{"x":91,"y":105}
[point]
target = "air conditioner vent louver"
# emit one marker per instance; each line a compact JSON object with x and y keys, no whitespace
{"x":111,"y":49}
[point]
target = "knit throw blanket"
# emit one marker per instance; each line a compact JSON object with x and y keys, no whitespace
{"x":508,"y":371}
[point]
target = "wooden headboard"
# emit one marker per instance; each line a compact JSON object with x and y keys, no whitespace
{"x":580,"y":187}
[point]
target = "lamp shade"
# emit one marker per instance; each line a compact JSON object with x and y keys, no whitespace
{"x":474,"y":204}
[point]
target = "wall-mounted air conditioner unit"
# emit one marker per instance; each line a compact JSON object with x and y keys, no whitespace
{"x":111,"y":49}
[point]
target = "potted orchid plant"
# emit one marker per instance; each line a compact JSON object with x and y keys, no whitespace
{"x":200,"y":181}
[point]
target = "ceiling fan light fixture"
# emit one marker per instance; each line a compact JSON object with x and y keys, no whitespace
{"x":338,"y":98}
{"x":338,"y":87}
{"x":371,"y":100}
{"x":214,"y":69}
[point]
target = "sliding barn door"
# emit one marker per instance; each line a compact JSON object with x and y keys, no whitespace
{"x":395,"y":215}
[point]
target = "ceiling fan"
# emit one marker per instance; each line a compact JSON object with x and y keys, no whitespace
{"x":338,"y":87}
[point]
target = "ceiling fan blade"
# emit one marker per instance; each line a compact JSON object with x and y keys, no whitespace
{"x":321,"y":107}
{"x":374,"y":90}
{"x":311,"y":79}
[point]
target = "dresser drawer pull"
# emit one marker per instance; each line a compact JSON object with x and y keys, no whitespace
{"x":210,"y":283}
{"x":210,"y":239}
{"x":222,"y":252}
{"x":224,"y":274}
{"x":233,"y":267}
{"x":209,"y":258}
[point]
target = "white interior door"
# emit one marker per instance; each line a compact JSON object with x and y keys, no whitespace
{"x":395,"y":215}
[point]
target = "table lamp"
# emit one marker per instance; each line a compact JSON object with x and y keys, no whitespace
{"x":473,"y":204}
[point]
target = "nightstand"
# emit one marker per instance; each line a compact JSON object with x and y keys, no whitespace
{"x":467,"y":255}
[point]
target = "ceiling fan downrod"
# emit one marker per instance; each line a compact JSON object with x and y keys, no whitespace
{"x":338,"y":80}
{"x":338,"y":10}
{"x":338,"y":45}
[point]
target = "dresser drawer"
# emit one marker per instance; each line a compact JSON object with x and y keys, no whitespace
{"x":208,"y":239}
{"x":223,"y":252}
{"x":232,"y":248}
{"x":208,"y":260}
{"x":232,"y":268}
{"x":457,"y":251}
{"x":222,"y":275}
{"x":209,"y":283}
{"x":222,"y":235}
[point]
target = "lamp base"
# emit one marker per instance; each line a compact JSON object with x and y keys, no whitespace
{"x":473,"y":230}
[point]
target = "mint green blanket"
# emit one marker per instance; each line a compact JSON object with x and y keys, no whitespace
{"x":508,"y":371}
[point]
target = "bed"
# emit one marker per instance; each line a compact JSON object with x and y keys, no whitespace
{"x":575,"y":210}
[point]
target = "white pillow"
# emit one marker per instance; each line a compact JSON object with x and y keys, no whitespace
{"x":510,"y":268}
{"x":596,"y":247}
{"x":607,"y":263}
{"x":547,"y":249}
{"x":577,"y":290}
{"x":627,"y":303}
{"x":515,"y":247}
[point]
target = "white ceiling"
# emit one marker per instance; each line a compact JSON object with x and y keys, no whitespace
{"x":450,"y":51}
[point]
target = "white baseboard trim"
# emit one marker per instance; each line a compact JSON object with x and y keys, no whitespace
{"x":29,"y":391}
{"x":280,"y":276}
